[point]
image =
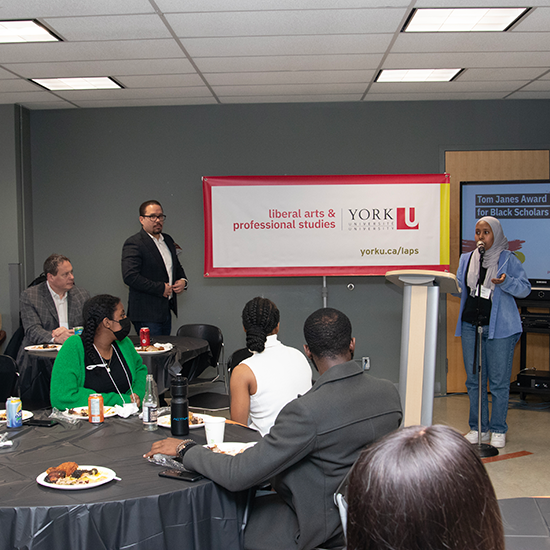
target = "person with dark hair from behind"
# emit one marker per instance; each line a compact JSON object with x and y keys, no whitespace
{"x":101,"y":360}
{"x":275,"y":374}
{"x":309,"y":450}
{"x":422,"y":488}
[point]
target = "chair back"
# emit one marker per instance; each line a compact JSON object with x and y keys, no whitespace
{"x":212,"y":334}
{"x":8,"y":377}
{"x":237,"y":357}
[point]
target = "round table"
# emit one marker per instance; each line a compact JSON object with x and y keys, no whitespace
{"x":141,"y":511}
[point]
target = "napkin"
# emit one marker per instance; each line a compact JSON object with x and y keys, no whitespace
{"x":128,"y":409}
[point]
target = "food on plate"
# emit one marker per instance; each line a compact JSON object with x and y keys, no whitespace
{"x":195,"y":420}
{"x":3,"y":416}
{"x":79,"y":412}
{"x":68,"y":473}
{"x":149,"y":348}
{"x":48,"y":346}
{"x":63,"y":470}
{"x":232,"y":452}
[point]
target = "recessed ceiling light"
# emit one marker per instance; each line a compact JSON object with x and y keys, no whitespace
{"x":417,"y":75}
{"x":25,"y":31}
{"x":90,"y":83}
{"x":462,"y":19}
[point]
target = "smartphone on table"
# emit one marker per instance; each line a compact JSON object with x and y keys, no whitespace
{"x":185,"y":475}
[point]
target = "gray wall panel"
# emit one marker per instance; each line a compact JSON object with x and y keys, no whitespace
{"x":91,"y":168}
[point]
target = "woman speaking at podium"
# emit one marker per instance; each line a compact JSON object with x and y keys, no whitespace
{"x":490,"y":277}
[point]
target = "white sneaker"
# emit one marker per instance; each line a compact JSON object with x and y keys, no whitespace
{"x":498,"y":440}
{"x":473,"y":437}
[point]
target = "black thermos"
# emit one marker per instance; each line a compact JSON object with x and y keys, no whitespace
{"x":179,"y":407}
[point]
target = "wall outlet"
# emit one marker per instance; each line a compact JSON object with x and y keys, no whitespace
{"x":365,"y":362}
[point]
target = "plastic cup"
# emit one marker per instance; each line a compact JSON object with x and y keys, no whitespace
{"x":214,"y":427}
{"x":78,"y":330}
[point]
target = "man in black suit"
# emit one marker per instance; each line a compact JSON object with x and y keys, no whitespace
{"x":150,"y":267}
{"x":311,"y":447}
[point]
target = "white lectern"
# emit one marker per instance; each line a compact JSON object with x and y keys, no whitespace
{"x":421,"y":291}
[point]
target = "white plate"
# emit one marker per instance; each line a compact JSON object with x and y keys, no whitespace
{"x":167,"y":347}
{"x":106,"y":473}
{"x":107,"y":412}
{"x":40,"y":347}
{"x":26,"y":416}
{"x":164,"y":421}
{"x":233,"y":448}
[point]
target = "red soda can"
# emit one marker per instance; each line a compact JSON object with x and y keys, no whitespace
{"x":95,"y":408}
{"x":145,"y":336}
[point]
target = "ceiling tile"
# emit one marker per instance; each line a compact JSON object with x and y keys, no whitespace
{"x":451,"y":96}
{"x":290,"y":77}
{"x":530,"y":95}
{"x":287,"y":45}
{"x":288,"y":63}
{"x":20,"y":97}
{"x":190,"y":6}
{"x":537,"y":19}
{"x":90,"y":51}
{"x":538,"y":86}
{"x":472,"y":42}
{"x":161,"y":81}
{"x":292,"y":98}
{"x":287,"y":23}
{"x":128,"y":93}
{"x":18,"y":85}
{"x":144,"y":102}
{"x":101,"y":68}
{"x":109,"y":27}
{"x":519,"y":73}
{"x":465,"y":60}
{"x":294,"y":89}
{"x":32,"y":9}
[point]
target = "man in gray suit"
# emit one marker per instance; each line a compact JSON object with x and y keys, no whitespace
{"x":49,"y":311}
{"x":313,"y":444}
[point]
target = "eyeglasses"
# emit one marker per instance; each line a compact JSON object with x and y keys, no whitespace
{"x":154,"y":217}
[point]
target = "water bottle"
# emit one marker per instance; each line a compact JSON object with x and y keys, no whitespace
{"x":150,"y":404}
{"x":179,"y":406}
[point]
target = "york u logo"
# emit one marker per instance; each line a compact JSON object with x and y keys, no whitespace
{"x":406,"y":218}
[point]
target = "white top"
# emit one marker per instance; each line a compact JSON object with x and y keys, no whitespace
{"x":165,"y":253}
{"x":282,"y":373}
{"x":62,"y":307}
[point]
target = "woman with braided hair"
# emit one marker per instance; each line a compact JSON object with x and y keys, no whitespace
{"x":275,"y":374}
{"x":101,"y":360}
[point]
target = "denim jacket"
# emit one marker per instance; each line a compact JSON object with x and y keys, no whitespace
{"x":505,"y":319}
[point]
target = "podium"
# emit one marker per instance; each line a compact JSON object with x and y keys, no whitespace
{"x":421,"y":290}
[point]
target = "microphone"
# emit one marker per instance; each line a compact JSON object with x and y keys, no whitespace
{"x":481,"y":247}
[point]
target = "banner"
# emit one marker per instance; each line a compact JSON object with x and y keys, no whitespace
{"x":261,"y":226}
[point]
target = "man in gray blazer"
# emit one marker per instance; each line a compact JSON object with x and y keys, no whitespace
{"x":313,"y":444}
{"x":50,"y":310}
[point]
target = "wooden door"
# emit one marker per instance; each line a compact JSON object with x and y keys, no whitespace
{"x":487,"y":166}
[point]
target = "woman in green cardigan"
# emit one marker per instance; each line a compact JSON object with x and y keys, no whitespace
{"x":101,"y":360}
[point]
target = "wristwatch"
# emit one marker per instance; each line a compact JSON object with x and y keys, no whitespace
{"x":184,"y":446}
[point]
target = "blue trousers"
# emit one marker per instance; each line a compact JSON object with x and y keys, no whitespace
{"x":497,"y":356}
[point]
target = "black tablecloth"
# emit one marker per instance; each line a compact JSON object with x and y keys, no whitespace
{"x":143,"y":511}
{"x":190,"y":356}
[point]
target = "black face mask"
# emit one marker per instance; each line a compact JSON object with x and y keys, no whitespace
{"x":126,"y":325}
